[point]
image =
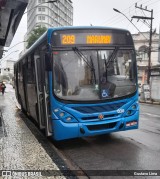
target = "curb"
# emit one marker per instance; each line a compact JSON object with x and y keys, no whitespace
{"x":149,"y":102}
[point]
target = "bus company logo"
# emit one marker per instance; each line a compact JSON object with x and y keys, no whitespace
{"x":100,"y":116}
{"x":120,"y":111}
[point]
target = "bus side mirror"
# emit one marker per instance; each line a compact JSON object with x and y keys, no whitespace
{"x":48,"y":64}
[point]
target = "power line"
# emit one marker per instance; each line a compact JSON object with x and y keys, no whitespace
{"x":15,"y":45}
{"x":116,"y":18}
{"x":150,"y":35}
{"x":130,"y":21}
{"x":8,"y":55}
{"x":153,"y":3}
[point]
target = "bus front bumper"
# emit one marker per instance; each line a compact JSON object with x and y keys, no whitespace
{"x":63,"y":130}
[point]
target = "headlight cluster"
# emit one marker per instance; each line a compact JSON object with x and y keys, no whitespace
{"x":66,"y":117}
{"x":132,"y":109}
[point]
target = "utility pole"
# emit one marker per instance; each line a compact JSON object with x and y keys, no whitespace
{"x":150,"y":36}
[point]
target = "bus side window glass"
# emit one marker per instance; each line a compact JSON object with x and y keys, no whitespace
{"x":47,"y":81}
{"x":30,"y":71}
{"x":47,"y":69}
{"x":33,"y":69}
{"x":39,"y":69}
{"x":20,"y":73}
{"x":29,"y":78}
{"x":39,"y":74}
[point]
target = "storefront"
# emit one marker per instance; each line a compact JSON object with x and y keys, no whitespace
{"x":155,"y":83}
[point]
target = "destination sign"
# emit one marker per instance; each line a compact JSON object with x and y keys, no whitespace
{"x":69,"y":39}
{"x":91,"y":37}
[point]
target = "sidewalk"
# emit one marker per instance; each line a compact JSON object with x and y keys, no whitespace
{"x":19,"y":148}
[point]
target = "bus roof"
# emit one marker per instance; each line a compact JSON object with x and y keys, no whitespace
{"x":85,"y":27}
{"x":47,"y":35}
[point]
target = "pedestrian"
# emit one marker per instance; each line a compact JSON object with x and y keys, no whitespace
{"x":3,"y":87}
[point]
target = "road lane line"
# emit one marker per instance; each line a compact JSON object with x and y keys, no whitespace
{"x":149,"y":114}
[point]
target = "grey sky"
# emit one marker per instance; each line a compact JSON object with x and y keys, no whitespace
{"x":100,"y":13}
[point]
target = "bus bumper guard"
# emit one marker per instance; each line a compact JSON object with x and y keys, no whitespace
{"x":62,"y":130}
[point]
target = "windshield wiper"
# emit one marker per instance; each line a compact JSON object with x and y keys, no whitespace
{"x":113,"y":55}
{"x":93,"y":70}
{"x":81,"y":55}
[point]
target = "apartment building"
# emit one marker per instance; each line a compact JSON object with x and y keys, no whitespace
{"x":49,"y":14}
{"x":141,"y":41}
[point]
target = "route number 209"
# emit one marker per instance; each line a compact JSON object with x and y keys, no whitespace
{"x":68,"y":39}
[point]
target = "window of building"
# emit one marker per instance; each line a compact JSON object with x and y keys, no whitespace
{"x":41,"y":1}
{"x":41,"y":17}
{"x":41,"y":9}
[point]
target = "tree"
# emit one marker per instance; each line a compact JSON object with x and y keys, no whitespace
{"x":35,"y":34}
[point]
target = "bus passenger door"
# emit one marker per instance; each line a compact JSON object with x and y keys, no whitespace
{"x":42,"y":78}
{"x":39,"y":88}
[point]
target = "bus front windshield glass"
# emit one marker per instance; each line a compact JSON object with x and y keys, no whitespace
{"x":87,"y":75}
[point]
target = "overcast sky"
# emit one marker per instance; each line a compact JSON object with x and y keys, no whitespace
{"x":99,"y":13}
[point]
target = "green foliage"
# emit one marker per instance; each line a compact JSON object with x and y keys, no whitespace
{"x":36,"y":33}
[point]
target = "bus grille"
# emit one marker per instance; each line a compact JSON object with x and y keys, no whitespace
{"x":108,"y":116}
{"x":101,"y":126}
{"x":98,"y":109}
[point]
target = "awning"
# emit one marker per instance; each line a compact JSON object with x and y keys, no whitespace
{"x":11,"y":13}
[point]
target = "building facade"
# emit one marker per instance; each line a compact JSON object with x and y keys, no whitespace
{"x":141,"y":41}
{"x":7,"y":70}
{"x":41,"y":13}
{"x":7,"y":67}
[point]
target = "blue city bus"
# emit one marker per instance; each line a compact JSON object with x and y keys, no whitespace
{"x":79,"y":81}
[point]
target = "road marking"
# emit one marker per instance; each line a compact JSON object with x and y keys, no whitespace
{"x":149,"y":114}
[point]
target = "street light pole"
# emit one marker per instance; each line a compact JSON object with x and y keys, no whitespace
{"x":116,"y":10}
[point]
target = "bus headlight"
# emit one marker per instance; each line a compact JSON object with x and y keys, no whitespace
{"x":64,"y":116}
{"x":131,"y":110}
{"x":61,"y":114}
{"x":134,"y":106}
{"x":68,"y":118}
{"x":56,"y":110}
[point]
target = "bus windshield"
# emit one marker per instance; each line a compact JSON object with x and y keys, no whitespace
{"x":96,"y":74}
